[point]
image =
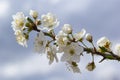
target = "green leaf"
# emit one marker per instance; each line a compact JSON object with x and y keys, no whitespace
{"x":109,"y":57}
{"x":103,"y":49}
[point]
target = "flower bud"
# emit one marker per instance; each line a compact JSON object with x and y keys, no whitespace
{"x":67,"y":28}
{"x":88,"y":37}
{"x":91,"y":66}
{"x":33,"y":13}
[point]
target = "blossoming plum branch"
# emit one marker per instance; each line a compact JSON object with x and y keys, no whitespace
{"x":70,"y":45}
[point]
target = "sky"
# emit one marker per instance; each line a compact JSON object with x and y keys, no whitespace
{"x":98,"y":17}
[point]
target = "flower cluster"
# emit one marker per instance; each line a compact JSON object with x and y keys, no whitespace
{"x":18,"y":26}
{"x":70,"y":45}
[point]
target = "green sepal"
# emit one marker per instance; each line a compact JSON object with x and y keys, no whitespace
{"x":30,"y":20}
{"x":74,"y":64}
{"x":27,"y":24}
{"x":26,"y":36}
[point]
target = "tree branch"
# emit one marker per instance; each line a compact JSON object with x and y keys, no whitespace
{"x":110,"y":56}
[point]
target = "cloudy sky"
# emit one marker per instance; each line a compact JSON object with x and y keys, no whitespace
{"x":98,"y":17}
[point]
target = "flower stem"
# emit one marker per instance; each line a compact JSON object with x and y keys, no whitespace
{"x":84,"y":44}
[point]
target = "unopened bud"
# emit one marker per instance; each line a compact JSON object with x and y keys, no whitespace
{"x":67,"y":28}
{"x":33,"y":13}
{"x":91,"y":66}
{"x":88,"y":37}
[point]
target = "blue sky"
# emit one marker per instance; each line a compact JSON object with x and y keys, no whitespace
{"x":98,"y":17}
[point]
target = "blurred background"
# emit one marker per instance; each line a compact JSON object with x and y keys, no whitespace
{"x":98,"y":17}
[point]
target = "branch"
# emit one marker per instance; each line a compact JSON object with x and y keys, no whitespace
{"x":110,"y":56}
{"x":68,"y":42}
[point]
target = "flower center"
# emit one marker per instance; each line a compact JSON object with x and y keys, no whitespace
{"x":72,"y":51}
{"x":40,"y":42}
{"x":107,"y":45}
{"x":20,"y":23}
{"x":74,"y":64}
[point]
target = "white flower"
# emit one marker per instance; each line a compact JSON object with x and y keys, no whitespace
{"x":72,"y":52}
{"x":61,"y":33}
{"x":79,"y":36}
{"x":40,"y":43}
{"x":104,"y":42}
{"x":18,"y":21}
{"x":49,"y":21}
{"x":88,"y":37}
{"x":67,"y":28}
{"x":51,"y":53}
{"x":61,"y":39}
{"x":117,"y":49}
{"x":20,"y":37}
{"x":72,"y":66}
{"x":33,"y":13}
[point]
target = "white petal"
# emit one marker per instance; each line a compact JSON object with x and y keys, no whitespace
{"x":65,"y":57}
{"x":75,"y":58}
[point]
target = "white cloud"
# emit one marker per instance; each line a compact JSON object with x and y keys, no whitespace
{"x":56,"y":78}
{"x":4,"y":7}
{"x":106,"y":71}
{"x":32,"y":65}
{"x":54,"y":1}
{"x":75,"y":5}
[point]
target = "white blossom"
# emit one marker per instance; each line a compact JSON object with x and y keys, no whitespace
{"x":104,"y":42}
{"x":67,"y":28}
{"x":88,"y":37}
{"x":18,"y":21}
{"x":61,"y":39}
{"x":51,"y":53}
{"x":20,"y":37}
{"x":33,"y":13}
{"x":49,"y":21}
{"x":79,"y":36}
{"x":117,"y":49}
{"x":72,"y":66}
{"x":61,"y":33}
{"x":40,"y":43}
{"x":72,"y":52}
